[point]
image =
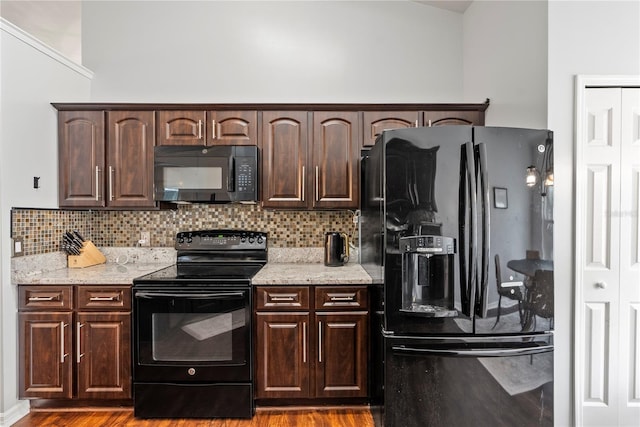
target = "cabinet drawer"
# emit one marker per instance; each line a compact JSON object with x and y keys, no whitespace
{"x":328,"y":297}
{"x":104,"y":297}
{"x":45,"y":297}
{"x":282,"y":297}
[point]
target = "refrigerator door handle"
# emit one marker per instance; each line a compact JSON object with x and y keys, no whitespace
{"x":489,"y":352}
{"x":483,"y":173}
{"x":473,"y":229}
{"x":462,"y":238}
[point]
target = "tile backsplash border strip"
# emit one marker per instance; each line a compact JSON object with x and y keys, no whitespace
{"x":42,"y":229}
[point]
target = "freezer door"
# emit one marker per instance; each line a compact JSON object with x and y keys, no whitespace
{"x":515,"y":230}
{"x":440,"y":384}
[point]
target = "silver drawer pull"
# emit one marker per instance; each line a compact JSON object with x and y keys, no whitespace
{"x":282,"y":298}
{"x":114,"y":298}
{"x":43,"y":298}
{"x":345,"y":298}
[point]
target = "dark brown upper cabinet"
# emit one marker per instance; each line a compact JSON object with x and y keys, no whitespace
{"x":445,"y":118}
{"x":313,"y":168}
{"x":207,"y":128}
{"x":284,"y":159}
{"x":99,"y":169}
{"x":375,"y":122}
{"x":335,"y":160}
{"x":232,"y":127}
{"x":181,"y":127}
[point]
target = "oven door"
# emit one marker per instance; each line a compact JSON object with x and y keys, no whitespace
{"x":192,"y":335}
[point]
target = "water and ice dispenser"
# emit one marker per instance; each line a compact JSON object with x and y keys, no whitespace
{"x":428,"y":275}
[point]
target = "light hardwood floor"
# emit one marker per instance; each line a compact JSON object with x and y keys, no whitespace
{"x":352,"y":417}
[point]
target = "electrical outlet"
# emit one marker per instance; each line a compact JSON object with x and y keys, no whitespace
{"x":145,"y":238}
{"x":17,"y":247}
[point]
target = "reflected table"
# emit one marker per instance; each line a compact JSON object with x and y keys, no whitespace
{"x":528,"y":267}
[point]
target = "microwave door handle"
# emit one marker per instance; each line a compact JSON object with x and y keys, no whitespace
{"x":232,"y":174}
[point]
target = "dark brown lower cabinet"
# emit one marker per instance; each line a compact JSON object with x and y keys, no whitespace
{"x":75,"y":342}
{"x":311,"y":345}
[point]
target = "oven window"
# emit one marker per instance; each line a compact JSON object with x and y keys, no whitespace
{"x":211,"y":328}
{"x":194,"y":337}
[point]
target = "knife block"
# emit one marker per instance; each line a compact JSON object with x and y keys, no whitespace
{"x":89,"y":255}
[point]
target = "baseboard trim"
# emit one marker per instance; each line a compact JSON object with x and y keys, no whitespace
{"x":13,"y":414}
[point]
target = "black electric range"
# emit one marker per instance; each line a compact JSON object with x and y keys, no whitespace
{"x":192,"y":348}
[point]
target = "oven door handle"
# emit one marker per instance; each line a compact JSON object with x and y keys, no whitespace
{"x":214,"y":295}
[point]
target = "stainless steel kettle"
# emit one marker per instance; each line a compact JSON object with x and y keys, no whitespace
{"x":336,"y":249}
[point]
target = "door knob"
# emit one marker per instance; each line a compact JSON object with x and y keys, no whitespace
{"x":601,"y":285}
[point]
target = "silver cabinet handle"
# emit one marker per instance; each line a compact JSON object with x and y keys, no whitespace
{"x":304,"y":342}
{"x":317,"y":188}
{"x":111,"y":171}
{"x":213,"y":129}
{"x":282,"y":299}
{"x":62,"y":352}
{"x":78,"y":354}
{"x":199,"y":129}
{"x":97,"y":183}
{"x":114,"y":298}
{"x":303,"y":181}
{"x":42,"y":298}
{"x":601,"y":285}
{"x":344,"y":298}
{"x":429,"y":122}
{"x":320,"y":342}
{"x":416,"y":122}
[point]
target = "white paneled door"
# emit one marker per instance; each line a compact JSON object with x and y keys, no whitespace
{"x":607,"y":344}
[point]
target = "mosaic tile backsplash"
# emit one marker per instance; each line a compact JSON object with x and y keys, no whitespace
{"x":42,"y":229}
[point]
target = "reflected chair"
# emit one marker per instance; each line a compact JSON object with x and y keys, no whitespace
{"x":514,"y":290}
{"x":540,"y":301}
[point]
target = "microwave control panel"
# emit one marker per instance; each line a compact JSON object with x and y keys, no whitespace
{"x":245,"y":174}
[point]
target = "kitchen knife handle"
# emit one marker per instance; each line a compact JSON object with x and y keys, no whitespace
{"x":97,"y":183}
{"x":213,"y":129}
{"x":111,"y":171}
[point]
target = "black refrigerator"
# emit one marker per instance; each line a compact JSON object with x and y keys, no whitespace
{"x":457,"y":233}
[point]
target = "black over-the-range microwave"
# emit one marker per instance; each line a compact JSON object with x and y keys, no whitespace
{"x":197,"y":174}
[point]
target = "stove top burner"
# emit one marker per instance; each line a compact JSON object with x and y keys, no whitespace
{"x":221,"y":273}
{"x":212,"y":257}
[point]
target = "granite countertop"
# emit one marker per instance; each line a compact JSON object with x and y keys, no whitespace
{"x":102,"y":274}
{"x":124,"y":265}
{"x":311,"y":274}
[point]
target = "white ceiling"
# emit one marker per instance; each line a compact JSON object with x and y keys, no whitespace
{"x":454,"y":5}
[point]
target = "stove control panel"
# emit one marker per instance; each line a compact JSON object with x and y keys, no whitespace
{"x":221,"y":240}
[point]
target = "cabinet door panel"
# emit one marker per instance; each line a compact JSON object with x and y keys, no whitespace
{"x":284,"y":158}
{"x":81,"y":153}
{"x":45,"y":355}
{"x":446,"y":118}
{"x":282,"y":348}
{"x":104,"y":355}
{"x":375,"y":122}
{"x":341,"y":369}
{"x":336,"y":155}
{"x":180,"y":127}
{"x":232,"y":128}
{"x":130,"y":158}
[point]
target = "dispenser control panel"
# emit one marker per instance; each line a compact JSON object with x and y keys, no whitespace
{"x":428,"y":244}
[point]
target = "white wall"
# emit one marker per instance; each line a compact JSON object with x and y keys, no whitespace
{"x":32,"y":77}
{"x":505,"y":60}
{"x":585,"y":37}
{"x":349,"y":51}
